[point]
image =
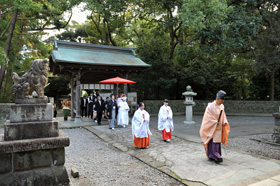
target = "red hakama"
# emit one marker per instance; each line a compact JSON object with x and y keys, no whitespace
{"x":166,"y":135}
{"x":141,"y":142}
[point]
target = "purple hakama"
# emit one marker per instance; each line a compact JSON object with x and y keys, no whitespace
{"x":214,"y":150}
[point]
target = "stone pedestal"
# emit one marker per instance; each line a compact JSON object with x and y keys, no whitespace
{"x":32,"y":147}
{"x":276,"y":130}
{"x":189,"y":104}
{"x":31,"y":112}
{"x":30,"y":130}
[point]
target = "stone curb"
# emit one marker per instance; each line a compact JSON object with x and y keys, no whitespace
{"x":265,"y":141}
{"x":256,"y":179}
{"x":142,"y":157}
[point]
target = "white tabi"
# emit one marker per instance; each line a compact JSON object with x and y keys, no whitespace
{"x":123,"y":118}
{"x":163,"y":122}
{"x":140,"y":128}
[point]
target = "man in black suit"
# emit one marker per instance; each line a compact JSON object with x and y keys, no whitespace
{"x":84,"y":104}
{"x":90,"y":105}
{"x":99,"y":108}
{"x":96,"y":93}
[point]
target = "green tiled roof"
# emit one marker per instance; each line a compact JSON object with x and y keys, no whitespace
{"x":78,"y":53}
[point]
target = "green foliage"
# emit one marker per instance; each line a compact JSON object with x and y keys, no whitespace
{"x":58,"y":86}
{"x":32,"y":18}
{"x":3,"y":56}
{"x":201,"y":14}
{"x":74,"y":32}
{"x":159,"y":78}
{"x":210,"y":45}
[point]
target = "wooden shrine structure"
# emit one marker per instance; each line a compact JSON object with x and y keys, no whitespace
{"x":91,"y":63}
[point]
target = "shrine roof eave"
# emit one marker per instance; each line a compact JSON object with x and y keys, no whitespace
{"x":96,"y":57}
{"x":85,"y":64}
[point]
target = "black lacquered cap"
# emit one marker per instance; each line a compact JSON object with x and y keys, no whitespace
{"x":221,"y":94}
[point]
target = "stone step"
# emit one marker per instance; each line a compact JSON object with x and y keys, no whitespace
{"x":273,"y":181}
{"x":33,"y":144}
{"x":259,"y":180}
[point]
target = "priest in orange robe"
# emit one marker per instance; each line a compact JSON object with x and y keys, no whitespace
{"x":215,"y":128}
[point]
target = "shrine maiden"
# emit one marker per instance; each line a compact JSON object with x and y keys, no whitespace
{"x":123,"y":118}
{"x":140,"y":127}
{"x":165,"y":121}
{"x":215,"y":128}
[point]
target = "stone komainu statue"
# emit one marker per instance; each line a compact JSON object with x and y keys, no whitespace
{"x":33,"y":80}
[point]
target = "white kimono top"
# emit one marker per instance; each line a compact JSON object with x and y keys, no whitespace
{"x":163,"y":122}
{"x":123,"y":118}
{"x":140,"y":128}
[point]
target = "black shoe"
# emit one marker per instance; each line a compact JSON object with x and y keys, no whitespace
{"x":210,"y":159}
{"x":219,"y":160}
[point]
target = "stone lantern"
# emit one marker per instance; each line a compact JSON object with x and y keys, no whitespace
{"x":189,"y":104}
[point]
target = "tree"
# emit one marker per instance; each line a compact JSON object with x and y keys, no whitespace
{"x":155,"y":82}
{"x":25,"y":16}
{"x":58,"y":86}
{"x":109,"y":20}
{"x":254,"y":30}
{"x":75,"y":32}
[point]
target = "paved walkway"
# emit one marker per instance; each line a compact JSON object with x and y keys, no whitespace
{"x":184,"y":158}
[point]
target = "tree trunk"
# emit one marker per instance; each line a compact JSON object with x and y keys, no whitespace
{"x":8,"y":44}
{"x":272,"y":86}
{"x":4,"y":95}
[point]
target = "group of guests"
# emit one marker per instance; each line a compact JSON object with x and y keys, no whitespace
{"x":92,"y":107}
{"x":118,"y":111}
{"x":111,"y":108}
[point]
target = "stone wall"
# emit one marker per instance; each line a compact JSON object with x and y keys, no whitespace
{"x":5,"y":112}
{"x":250,"y":108}
{"x":152,"y":106}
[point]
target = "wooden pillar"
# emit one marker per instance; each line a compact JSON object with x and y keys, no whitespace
{"x":72,"y":97}
{"x":78,"y":98}
{"x":125,"y":90}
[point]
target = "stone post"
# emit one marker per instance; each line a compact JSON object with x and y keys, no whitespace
{"x":189,"y":104}
{"x":276,"y":130}
{"x":78,"y":99}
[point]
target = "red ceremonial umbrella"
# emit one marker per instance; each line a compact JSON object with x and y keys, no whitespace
{"x":117,"y":80}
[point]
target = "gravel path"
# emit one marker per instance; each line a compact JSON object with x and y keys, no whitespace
{"x":245,"y":143}
{"x":101,"y":164}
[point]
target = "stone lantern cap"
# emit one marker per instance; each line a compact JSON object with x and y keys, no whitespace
{"x":189,"y":92}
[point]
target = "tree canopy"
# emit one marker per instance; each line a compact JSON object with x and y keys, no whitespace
{"x":211,"y":45}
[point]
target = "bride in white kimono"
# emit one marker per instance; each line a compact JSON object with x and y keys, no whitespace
{"x":165,"y":121}
{"x":123,"y":118}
